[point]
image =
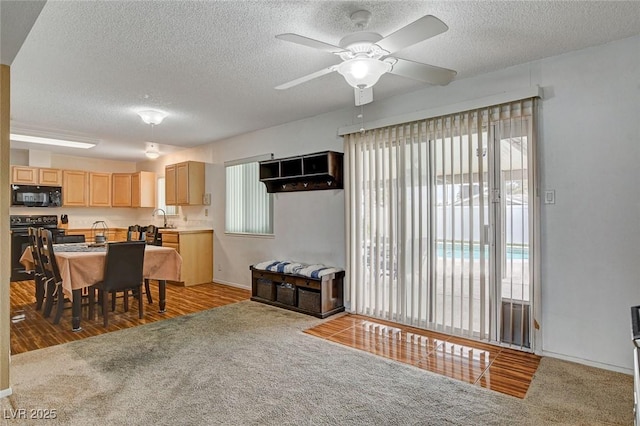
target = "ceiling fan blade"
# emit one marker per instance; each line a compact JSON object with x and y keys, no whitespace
{"x":306,"y":78}
{"x":423,"y":72}
{"x":417,"y":31}
{"x":309,"y":42}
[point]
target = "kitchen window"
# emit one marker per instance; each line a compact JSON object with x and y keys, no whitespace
{"x":161,"y":203}
{"x":249,"y":208}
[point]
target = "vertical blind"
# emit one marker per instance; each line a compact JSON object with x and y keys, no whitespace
{"x":248,"y":205}
{"x":421,"y":245}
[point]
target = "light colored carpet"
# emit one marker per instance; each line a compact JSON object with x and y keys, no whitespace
{"x":250,"y":363}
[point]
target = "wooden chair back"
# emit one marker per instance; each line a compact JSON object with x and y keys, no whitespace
{"x":47,"y":256}
{"x":35,"y":250}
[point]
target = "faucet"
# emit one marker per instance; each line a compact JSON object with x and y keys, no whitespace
{"x":164,"y":214}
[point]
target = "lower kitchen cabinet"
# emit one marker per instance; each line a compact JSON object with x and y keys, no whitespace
{"x":196,"y":249}
{"x":112,"y":234}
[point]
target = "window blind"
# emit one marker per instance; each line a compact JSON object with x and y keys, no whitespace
{"x":438,"y":222}
{"x":248,"y":205}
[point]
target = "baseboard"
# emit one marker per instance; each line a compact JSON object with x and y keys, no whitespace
{"x":230,"y":284}
{"x":5,"y":392}
{"x":583,"y":361}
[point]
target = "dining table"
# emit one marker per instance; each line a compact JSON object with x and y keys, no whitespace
{"x":82,"y":265}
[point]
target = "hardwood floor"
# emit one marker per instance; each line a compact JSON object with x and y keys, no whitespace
{"x":492,"y":367}
{"x":36,"y":332}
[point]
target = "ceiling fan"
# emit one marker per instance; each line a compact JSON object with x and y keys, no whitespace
{"x":366,"y":56}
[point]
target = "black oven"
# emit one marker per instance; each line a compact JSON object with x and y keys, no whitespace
{"x":20,"y":239}
{"x":36,"y":196}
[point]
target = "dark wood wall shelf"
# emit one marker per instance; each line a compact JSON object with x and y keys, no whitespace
{"x":319,"y":297}
{"x":320,"y":170}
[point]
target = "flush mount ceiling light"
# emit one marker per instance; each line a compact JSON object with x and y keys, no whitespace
{"x":152,"y":152}
{"x":51,"y":141}
{"x":152,"y":117}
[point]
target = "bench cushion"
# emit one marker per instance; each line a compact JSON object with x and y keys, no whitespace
{"x":296,"y":268}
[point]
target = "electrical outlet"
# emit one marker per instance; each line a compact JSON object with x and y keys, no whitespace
{"x":206,"y":212}
{"x":219,"y":268}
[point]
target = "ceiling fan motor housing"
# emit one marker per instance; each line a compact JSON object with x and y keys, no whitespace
{"x":363,"y":42}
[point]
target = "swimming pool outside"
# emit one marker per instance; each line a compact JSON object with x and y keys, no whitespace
{"x":463,"y":251}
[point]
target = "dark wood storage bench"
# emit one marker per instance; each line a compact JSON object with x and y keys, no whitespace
{"x":319,"y":297}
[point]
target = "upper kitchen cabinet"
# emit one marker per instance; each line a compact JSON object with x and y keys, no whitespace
{"x":99,"y":189}
{"x":184,"y":183}
{"x":74,"y":188}
{"x":133,"y":189}
{"x":170,"y":185}
{"x":51,"y":177}
{"x":121,"y":187}
{"x":143,"y":189}
{"x":23,"y":175}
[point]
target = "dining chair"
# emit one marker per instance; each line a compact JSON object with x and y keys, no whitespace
{"x":122,"y":272}
{"x":52,"y":275}
{"x":134,"y":233}
{"x":151,"y":234}
{"x":138,"y":233}
{"x":38,"y":271}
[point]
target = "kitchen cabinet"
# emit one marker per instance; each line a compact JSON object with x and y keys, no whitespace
{"x":74,"y":188}
{"x":23,"y":175}
{"x":143,"y":189}
{"x":170,"y":185}
{"x":112,"y":234}
{"x":82,"y":188}
{"x":196,"y":249}
{"x":99,"y":189}
{"x":184,"y":183}
{"x":121,"y":190}
{"x":50,"y":177}
{"x":133,"y":189}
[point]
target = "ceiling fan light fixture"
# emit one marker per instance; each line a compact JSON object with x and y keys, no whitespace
{"x":152,"y":152}
{"x":152,"y":116}
{"x":363,"y":73}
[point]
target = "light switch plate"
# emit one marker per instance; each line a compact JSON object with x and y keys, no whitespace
{"x":550,"y":196}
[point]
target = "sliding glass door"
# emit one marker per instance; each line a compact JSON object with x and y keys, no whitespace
{"x":439,"y":224}
{"x":459,"y":257}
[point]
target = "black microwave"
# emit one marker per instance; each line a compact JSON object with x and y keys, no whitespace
{"x":36,"y":196}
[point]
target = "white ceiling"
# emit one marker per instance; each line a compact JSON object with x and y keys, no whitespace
{"x":87,"y":67}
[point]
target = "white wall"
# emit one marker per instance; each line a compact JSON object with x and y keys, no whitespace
{"x":590,"y":154}
{"x":589,"y":151}
{"x":308,"y":226}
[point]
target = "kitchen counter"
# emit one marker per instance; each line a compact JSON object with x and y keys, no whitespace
{"x":184,"y":230}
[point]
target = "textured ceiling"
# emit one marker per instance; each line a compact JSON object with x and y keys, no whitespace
{"x":86,"y":67}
